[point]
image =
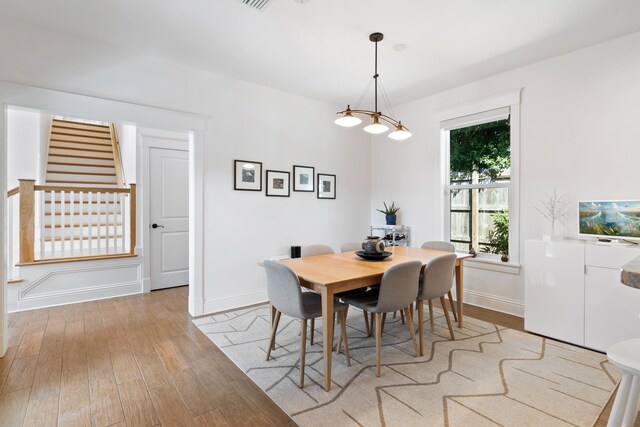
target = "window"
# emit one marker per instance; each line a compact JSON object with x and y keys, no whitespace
{"x":478,"y":181}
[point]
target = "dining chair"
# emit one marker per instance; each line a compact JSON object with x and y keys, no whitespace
{"x":437,"y":245}
{"x":351,"y":247}
{"x":397,"y":291}
{"x":313,"y":250}
{"x":436,"y":281}
{"x":285,"y":296}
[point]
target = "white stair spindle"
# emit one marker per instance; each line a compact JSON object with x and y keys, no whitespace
{"x":121,"y":207}
{"x":90,"y":221}
{"x":52,"y":223}
{"x":43,"y":222}
{"x":98,"y":221}
{"x":63,"y":223}
{"x":72,"y":224}
{"x":81,"y":216}
{"x":108,"y":221}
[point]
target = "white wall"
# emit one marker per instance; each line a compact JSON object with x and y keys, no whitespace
{"x":128,"y":149}
{"x":579,"y":134}
{"x":247,"y":122}
{"x":24,"y":141}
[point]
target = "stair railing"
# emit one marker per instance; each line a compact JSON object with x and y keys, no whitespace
{"x":74,"y":223}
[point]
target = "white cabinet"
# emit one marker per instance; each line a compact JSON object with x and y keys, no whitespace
{"x":573,"y":293}
{"x":554,"y":290}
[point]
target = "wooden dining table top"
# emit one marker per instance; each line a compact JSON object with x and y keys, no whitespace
{"x":335,"y":269}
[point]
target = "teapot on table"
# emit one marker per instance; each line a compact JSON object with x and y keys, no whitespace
{"x":373,"y":245}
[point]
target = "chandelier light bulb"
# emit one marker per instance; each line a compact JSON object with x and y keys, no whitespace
{"x":376,"y":127}
{"x":348,"y":120}
{"x":400,"y":134}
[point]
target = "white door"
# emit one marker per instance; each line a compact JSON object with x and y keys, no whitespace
{"x":169,"y":217}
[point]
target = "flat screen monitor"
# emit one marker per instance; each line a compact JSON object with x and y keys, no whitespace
{"x":611,"y":219}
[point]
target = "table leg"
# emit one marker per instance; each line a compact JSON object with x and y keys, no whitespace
{"x":327,"y":335}
{"x":459,"y":290}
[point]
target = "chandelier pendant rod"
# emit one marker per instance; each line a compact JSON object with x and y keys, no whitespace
{"x":375,"y":76}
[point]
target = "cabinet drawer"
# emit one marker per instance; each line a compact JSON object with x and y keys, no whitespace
{"x":609,"y":256}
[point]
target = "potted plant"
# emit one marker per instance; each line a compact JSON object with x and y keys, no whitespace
{"x":390,"y":213}
{"x":499,"y":235}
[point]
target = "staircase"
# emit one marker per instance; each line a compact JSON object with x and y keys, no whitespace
{"x":83,"y":197}
{"x":83,"y":155}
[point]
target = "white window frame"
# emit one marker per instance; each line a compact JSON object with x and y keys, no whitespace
{"x":510,"y":100}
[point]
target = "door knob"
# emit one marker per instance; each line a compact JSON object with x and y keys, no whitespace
{"x":154,"y":225}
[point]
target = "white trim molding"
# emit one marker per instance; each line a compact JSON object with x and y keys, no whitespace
{"x":494,"y":302}
{"x":225,"y":303}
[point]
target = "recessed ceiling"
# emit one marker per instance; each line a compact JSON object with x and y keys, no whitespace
{"x":320,"y":49}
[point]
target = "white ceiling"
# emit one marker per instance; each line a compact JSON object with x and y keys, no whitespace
{"x":320,"y":49}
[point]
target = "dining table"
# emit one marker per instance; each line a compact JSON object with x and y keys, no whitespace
{"x":331,"y":274}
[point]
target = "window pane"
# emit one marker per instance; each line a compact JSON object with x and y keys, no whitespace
{"x":493,"y":220}
{"x":477,"y":219}
{"x":480,"y":154}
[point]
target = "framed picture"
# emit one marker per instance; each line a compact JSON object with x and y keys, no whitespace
{"x":303,"y":178}
{"x":278,"y":183}
{"x":326,"y":186}
{"x":247,"y":175}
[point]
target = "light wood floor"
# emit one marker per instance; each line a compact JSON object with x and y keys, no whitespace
{"x":131,"y":361}
{"x":135,"y":360}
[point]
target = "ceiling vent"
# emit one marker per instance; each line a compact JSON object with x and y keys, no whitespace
{"x":256,"y":4}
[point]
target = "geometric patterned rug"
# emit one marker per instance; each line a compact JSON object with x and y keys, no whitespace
{"x":488,"y":376}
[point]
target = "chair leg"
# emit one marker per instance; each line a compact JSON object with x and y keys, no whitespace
{"x":303,"y":349}
{"x":632,"y":403}
{"x":453,"y":307}
{"x":312,"y":330}
{"x":343,"y":335}
{"x":420,"y":306}
{"x":378,"y":317}
{"x":409,"y":313}
{"x":366,"y":322}
{"x":402,"y":316}
{"x":431,"y":314}
{"x":446,"y":316}
{"x":274,"y":328}
{"x":339,"y":345}
{"x":273,"y":318}
{"x":622,"y":399}
{"x":384,"y":319}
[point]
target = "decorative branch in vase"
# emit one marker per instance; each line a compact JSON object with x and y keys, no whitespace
{"x":554,"y":208}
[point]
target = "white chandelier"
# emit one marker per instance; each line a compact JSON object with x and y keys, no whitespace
{"x":348,"y":119}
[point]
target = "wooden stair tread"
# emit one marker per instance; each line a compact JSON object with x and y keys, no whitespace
{"x":77,"y":125}
{"x":80,"y":164}
{"x":81,"y":141}
{"x":82,"y":173}
{"x":81,"y":149}
{"x":74,"y":156}
{"x":57,"y":181}
{"x":69,"y":238}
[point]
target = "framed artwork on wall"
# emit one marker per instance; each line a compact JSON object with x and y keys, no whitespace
{"x":278,"y":183}
{"x":303,"y":178}
{"x":326,"y":186}
{"x":247,"y":175}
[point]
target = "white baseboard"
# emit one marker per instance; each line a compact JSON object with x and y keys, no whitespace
{"x":494,"y":302}
{"x":234,"y":301}
{"x":79,"y":295}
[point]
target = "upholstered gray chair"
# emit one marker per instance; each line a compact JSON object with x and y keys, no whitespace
{"x":351,"y":247}
{"x":285,"y":295}
{"x":447,"y":247}
{"x":397,"y":291}
{"x":436,"y":282}
{"x":313,"y":250}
